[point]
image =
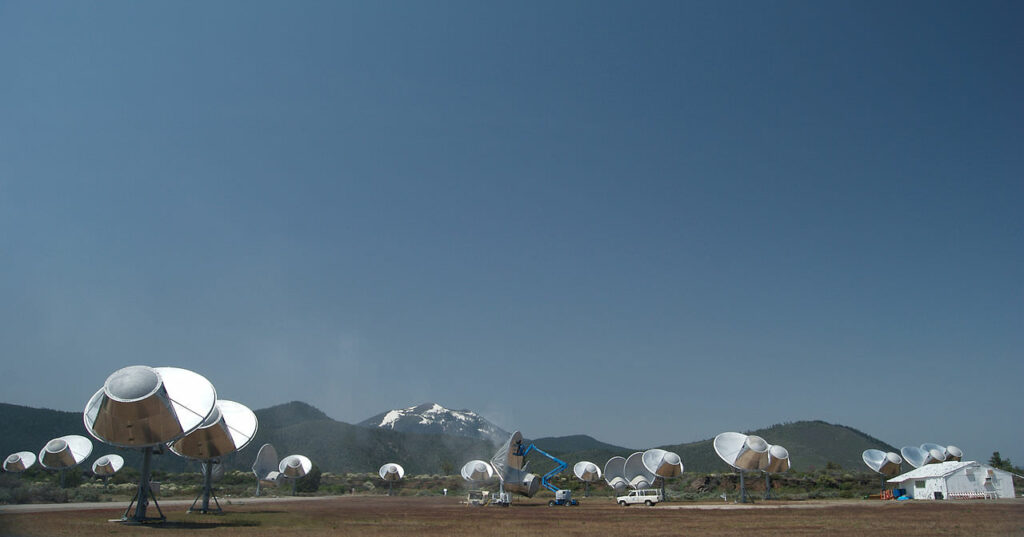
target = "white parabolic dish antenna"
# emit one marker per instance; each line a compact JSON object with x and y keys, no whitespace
{"x":64,"y":452}
{"x":265,"y":465}
{"x":742,"y":452}
{"x":229,"y":428}
{"x":508,"y":464}
{"x":882,"y":462}
{"x":586,"y":471}
{"x":294,"y":466}
{"x":477,"y":470}
{"x":775,"y":460}
{"x":19,"y":462}
{"x":663,"y":463}
{"x":141,"y":406}
{"x":916,"y":456}
{"x":615,"y":473}
{"x":954,"y":453}
{"x":638,"y":476}
{"x":391,"y":472}
{"x":107,"y":465}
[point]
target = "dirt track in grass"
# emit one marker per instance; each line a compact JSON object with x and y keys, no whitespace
{"x":425,"y":517}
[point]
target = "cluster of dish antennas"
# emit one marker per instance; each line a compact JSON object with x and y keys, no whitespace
{"x":271,"y":471}
{"x":641,"y":469}
{"x":60,"y":454}
{"x":508,"y":465}
{"x":930,"y":454}
{"x":150,"y":408}
{"x":747,"y":453}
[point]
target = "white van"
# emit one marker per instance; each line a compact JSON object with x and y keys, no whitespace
{"x":647,"y":497}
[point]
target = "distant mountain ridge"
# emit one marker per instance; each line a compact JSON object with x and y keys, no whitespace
{"x":336,"y":446}
{"x":432,"y":418}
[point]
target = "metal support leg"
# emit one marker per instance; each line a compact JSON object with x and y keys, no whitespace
{"x":142,"y":497}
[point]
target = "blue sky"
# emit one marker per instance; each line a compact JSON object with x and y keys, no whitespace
{"x":552,"y":213}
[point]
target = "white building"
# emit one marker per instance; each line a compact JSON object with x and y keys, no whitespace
{"x":956,"y":481}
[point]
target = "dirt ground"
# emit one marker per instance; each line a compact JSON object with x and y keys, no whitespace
{"x":425,"y":517}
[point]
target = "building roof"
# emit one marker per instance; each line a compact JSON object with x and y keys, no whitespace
{"x":940,"y":469}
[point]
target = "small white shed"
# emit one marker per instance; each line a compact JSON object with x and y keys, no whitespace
{"x":955,"y":480}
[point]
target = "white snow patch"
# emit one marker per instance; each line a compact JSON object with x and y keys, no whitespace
{"x":390,"y":418}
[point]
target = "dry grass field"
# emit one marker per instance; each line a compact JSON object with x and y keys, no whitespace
{"x":434,"y":516}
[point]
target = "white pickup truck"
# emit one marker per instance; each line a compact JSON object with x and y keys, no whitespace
{"x":647,"y":497}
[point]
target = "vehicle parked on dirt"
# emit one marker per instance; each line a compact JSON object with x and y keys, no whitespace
{"x":648,"y":497}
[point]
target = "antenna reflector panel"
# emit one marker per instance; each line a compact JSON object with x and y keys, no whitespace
{"x":586,"y":471}
{"x":775,"y":460}
{"x":295,"y":466}
{"x":229,"y":428}
{"x":954,"y":453}
{"x":265,"y":465}
{"x":107,"y":465}
{"x":742,"y":452}
{"x":615,"y":473}
{"x":141,"y":406}
{"x":936,"y":452}
{"x":882,"y":462}
{"x":638,"y":476}
{"x":391,"y":472}
{"x":662,"y":463}
{"x":477,"y":470}
{"x":916,"y":456}
{"x":19,"y":462}
{"x":65,"y":452}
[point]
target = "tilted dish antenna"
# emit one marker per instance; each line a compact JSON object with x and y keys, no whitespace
{"x":954,"y":453}
{"x":886,"y":464}
{"x":509,"y":465}
{"x":65,"y":452}
{"x":229,"y":428}
{"x":742,"y":452}
{"x":637,"y":474}
{"x":146,"y":407}
{"x":107,"y":466}
{"x":293,"y":467}
{"x":615,"y":473}
{"x":391,"y":472}
{"x":586,"y":472}
{"x":935,"y":452}
{"x":774,"y":461}
{"x":477,"y":470}
{"x":916,"y":456}
{"x":265,"y":466}
{"x":19,"y":462}
{"x":663,"y":464}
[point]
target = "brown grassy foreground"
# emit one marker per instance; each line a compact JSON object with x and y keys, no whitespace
{"x":425,"y":517}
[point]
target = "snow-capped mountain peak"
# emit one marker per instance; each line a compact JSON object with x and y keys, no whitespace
{"x":436,"y":419}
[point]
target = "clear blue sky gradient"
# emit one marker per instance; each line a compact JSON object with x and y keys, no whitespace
{"x":649,"y":222}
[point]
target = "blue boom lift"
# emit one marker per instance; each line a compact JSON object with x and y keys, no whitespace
{"x":562,"y":496}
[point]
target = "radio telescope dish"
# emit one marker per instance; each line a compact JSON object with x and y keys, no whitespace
{"x":638,"y":476}
{"x":141,"y":406}
{"x":391,"y":472}
{"x":265,"y":466}
{"x":65,"y":452}
{"x":662,"y":463}
{"x":916,"y":456}
{"x":615,"y":473}
{"x":145,"y":407}
{"x":293,"y":467}
{"x":936,"y":452}
{"x":775,"y":460}
{"x":742,"y":452}
{"x":887,"y":464}
{"x":107,"y":465}
{"x":954,"y":453}
{"x":229,"y":428}
{"x":586,"y":472}
{"x":509,"y":465}
{"x":477,"y":470}
{"x":19,"y":462}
